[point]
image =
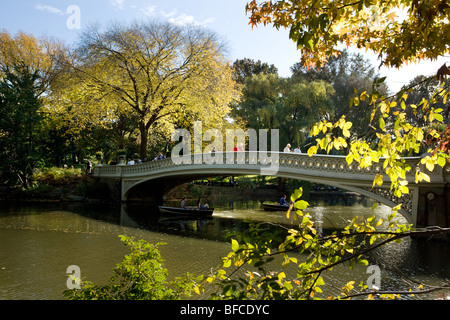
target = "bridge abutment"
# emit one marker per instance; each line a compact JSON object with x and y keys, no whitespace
{"x":433,"y":206}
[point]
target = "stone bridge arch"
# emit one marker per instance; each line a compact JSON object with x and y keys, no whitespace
{"x":426,"y":204}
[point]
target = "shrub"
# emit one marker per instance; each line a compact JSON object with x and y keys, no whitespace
{"x":140,"y":276}
{"x":58,"y":177}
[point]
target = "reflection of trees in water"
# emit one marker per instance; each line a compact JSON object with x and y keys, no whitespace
{"x":338,"y":199}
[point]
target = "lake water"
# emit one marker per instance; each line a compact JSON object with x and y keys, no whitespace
{"x":38,"y":242}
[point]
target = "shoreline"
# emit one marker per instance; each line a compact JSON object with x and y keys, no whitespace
{"x":188,"y":190}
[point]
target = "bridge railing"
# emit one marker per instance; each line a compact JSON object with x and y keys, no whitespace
{"x":327,"y":164}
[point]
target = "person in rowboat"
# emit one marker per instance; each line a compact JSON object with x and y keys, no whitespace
{"x":283,"y":201}
{"x":200,"y":207}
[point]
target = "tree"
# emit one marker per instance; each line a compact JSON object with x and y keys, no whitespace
{"x":43,"y":57}
{"x":318,"y":27}
{"x":244,"y":68}
{"x":313,"y":26}
{"x":348,"y":74}
{"x":290,"y":105}
{"x":19,"y":106}
{"x":33,"y":65}
{"x":152,"y":71}
{"x":423,"y":89}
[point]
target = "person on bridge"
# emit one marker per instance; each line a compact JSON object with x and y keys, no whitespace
{"x":88,"y":167}
{"x":297,"y":150}
{"x":287,"y":148}
{"x":283,"y":201}
{"x":183,"y":203}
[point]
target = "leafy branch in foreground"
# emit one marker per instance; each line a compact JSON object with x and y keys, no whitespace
{"x":396,"y":137}
{"x":305,"y":253}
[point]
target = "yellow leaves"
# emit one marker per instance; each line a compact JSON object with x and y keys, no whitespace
{"x":391,"y":16}
{"x":348,"y":287}
{"x":430,"y":161}
{"x":281,"y":276}
{"x":365,"y":24}
{"x":329,"y":141}
{"x":38,"y":54}
{"x":314,"y":130}
{"x":382,"y":123}
{"x":378,"y":181}
{"x":345,"y":129}
{"x":296,"y":194}
{"x":420,"y":176}
{"x":435,"y":114}
{"x":198,"y":290}
{"x":312,"y":151}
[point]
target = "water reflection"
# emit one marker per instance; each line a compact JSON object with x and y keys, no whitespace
{"x":38,"y":242}
{"x":329,"y":214}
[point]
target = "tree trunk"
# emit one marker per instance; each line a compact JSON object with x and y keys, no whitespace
{"x":144,"y":140}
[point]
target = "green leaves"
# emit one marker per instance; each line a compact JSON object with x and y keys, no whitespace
{"x":20,"y":123}
{"x":140,"y":276}
{"x":304,"y":249}
{"x":301,"y":205}
{"x":234,"y":245}
{"x":296,"y":194}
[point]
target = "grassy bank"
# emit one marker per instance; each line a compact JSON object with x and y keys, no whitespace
{"x":57,"y":184}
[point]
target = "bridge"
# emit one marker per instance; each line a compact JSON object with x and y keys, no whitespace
{"x":425,"y":205}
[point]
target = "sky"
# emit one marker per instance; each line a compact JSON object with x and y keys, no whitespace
{"x":66,"y":19}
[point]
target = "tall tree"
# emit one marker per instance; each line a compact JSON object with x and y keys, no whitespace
{"x":28,"y":69}
{"x":244,"y":68}
{"x":424,"y":88}
{"x":43,"y":57}
{"x":348,"y":73}
{"x":153,"y":71}
{"x":19,"y":106}
{"x":290,"y":105}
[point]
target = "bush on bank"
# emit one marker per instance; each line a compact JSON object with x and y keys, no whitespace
{"x":59,"y":183}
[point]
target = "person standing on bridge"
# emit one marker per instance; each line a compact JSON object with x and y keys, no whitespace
{"x":183,"y":203}
{"x":287,"y":148}
{"x":88,"y":167}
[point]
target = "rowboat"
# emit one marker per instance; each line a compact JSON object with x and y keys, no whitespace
{"x":274,"y":207}
{"x":194,"y":212}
